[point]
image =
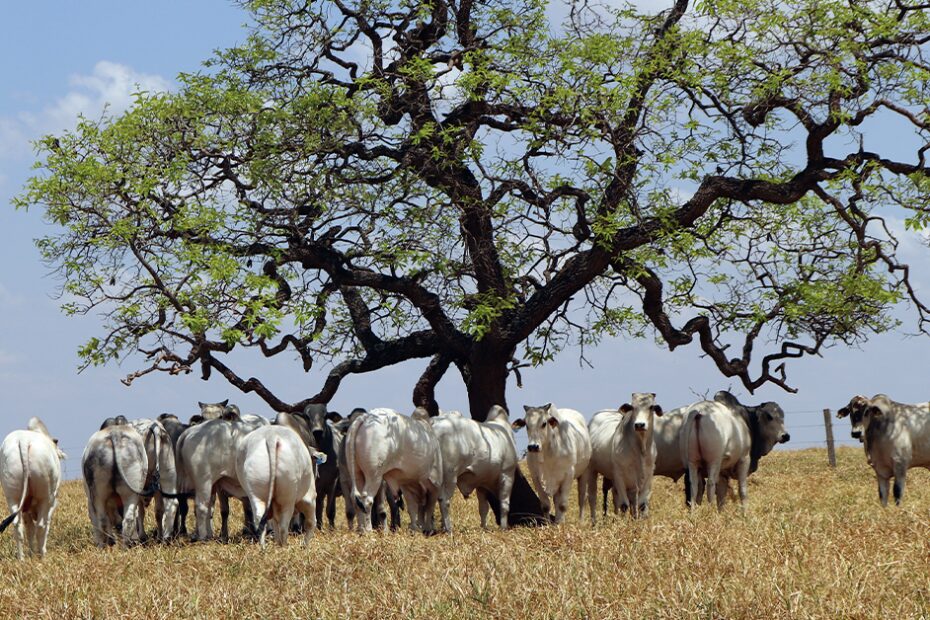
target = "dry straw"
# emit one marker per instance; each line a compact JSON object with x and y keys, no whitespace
{"x":814,"y":543}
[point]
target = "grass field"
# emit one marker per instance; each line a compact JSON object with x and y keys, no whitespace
{"x":814,"y":543}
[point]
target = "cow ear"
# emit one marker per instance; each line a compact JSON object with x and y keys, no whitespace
{"x":625,"y":408}
{"x":553,"y":422}
{"x":842,"y":413}
{"x":518,"y":424}
{"x":526,"y":408}
{"x":874,"y":412}
{"x":657,"y":410}
{"x":333,"y":416}
{"x":200,"y":404}
{"x":225,"y":402}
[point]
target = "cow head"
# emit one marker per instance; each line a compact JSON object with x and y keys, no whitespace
{"x":540,"y":423}
{"x":231,"y":413}
{"x":856,"y":411}
{"x":769,"y":427}
{"x":497,"y":413}
{"x":641,"y":413}
{"x":210,"y":411}
{"x":315,"y":416}
{"x":196,"y":419}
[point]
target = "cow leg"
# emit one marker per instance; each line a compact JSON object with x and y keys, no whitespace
{"x":44,"y":523}
{"x":883,"y":484}
{"x":130,"y":517}
{"x":560,"y":499}
{"x":331,"y":506}
{"x":97,"y":509}
{"x":224,"y":516}
{"x":606,"y":486}
{"x":283,"y":518}
{"x":591,"y":483}
{"x":544,"y":501}
{"x":621,"y":498}
{"x":445,"y":501}
{"x":742,"y":477}
{"x":203,"y":515}
{"x":900,"y":479}
{"x":504,"y":492}
{"x":694,"y":476}
{"x":713,"y":474}
{"x":723,"y":489}
{"x":583,"y":493}
{"x":183,"y":507}
{"x":307,"y":507}
{"x":367,"y":499}
{"x":414,"y":501}
{"x":428,"y":518}
{"x":395,"y":502}
{"x":483,"y":507}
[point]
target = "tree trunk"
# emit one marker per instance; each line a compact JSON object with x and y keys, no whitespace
{"x":486,"y":381}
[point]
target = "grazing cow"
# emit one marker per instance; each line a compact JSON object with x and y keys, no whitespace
{"x":115,"y":467}
{"x":206,"y":464}
{"x":30,"y":472}
{"x":625,"y":448}
{"x":314,"y":428}
{"x":275,"y":469}
{"x":402,"y":451}
{"x":212,"y":411}
{"x":723,"y":439}
{"x":384,"y":496}
{"x":896,"y":437}
{"x":558,"y":453}
{"x":161,"y":475}
{"x":476,"y":456}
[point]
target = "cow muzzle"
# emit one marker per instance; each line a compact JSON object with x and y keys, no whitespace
{"x":785,"y":438}
{"x":856,"y":434}
{"x":533,"y":447}
{"x":639,"y":427}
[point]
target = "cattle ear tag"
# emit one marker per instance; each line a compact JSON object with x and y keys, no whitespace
{"x":319,"y":458}
{"x":553,"y":422}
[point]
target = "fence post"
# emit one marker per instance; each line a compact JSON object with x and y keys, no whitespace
{"x":828,"y":424}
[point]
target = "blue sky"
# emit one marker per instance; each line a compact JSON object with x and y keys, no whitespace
{"x":61,"y":59}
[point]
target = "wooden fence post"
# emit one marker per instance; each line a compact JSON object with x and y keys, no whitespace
{"x":828,"y":424}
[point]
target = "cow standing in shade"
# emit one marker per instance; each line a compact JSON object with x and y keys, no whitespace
{"x":30,"y":473}
{"x":275,"y":469}
{"x":402,"y":451}
{"x":896,"y":437}
{"x":476,"y":456}
{"x":206,"y":463}
{"x":627,"y":443}
{"x":115,"y":467}
{"x":378,"y":516}
{"x":314,"y":427}
{"x":723,"y":439}
{"x":558,"y":453}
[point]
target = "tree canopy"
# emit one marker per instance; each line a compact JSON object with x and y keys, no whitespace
{"x":482,"y":184}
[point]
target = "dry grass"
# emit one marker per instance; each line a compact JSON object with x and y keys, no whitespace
{"x":813,"y":543}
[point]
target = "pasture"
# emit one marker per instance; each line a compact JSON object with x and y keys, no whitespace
{"x":814,"y":543}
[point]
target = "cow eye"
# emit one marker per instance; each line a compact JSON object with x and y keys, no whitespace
{"x":543,"y":425}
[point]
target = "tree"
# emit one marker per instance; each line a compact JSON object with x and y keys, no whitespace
{"x":374,"y":181}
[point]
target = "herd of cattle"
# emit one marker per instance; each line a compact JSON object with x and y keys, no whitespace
{"x":380,"y":460}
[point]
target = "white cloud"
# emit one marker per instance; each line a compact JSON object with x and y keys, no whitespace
{"x":109,"y":85}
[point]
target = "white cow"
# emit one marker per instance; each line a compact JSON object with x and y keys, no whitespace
{"x":115,"y":467}
{"x":161,"y":475}
{"x":476,"y":456}
{"x":206,"y":463}
{"x":30,"y":472}
{"x":559,"y":450}
{"x":896,"y":438}
{"x":623,"y":443}
{"x":403,"y":452}
{"x":723,"y":439}
{"x":276,"y":470}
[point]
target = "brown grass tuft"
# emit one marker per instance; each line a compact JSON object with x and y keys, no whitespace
{"x":814,"y":543}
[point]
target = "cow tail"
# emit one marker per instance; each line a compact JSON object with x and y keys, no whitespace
{"x":697,"y":436}
{"x":273,"y":465}
{"x":350,"y":463}
{"x":24,"y":456}
{"x":120,"y":474}
{"x":155,"y":485}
